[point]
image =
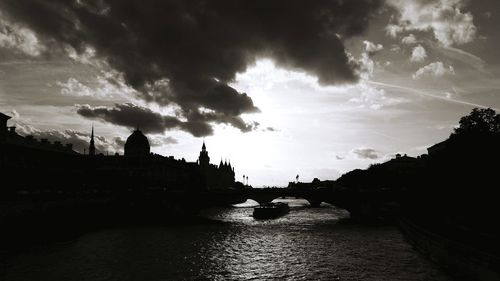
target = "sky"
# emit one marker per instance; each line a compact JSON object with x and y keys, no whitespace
{"x":278,"y":88}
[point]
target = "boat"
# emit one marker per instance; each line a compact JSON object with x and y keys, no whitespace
{"x":270,"y":210}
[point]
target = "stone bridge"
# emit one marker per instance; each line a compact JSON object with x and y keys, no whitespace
{"x":315,"y":196}
{"x":366,"y":205}
{"x":363,"y":205}
{"x":266,"y":195}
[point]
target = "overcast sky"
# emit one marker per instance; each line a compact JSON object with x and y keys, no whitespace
{"x":279,"y":88}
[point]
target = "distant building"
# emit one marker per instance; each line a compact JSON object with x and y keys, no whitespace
{"x":216,"y":177}
{"x":42,"y":165}
{"x":204,"y":159}
{"x":137,"y":145}
{"x":9,"y":136}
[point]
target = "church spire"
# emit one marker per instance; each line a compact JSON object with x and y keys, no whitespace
{"x":203,"y":147}
{"x":92,"y":146}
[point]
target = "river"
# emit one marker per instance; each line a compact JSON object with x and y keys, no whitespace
{"x":306,"y":244}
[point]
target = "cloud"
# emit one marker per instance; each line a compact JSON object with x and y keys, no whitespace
{"x":366,"y":153}
{"x":187,"y":53}
{"x":366,"y":66}
{"x":435,"y":69}
{"x":373,"y":97}
{"x":418,"y":54}
{"x":395,"y":48}
{"x":460,"y":55}
{"x":119,"y":141}
{"x":134,"y":116}
{"x":410,"y":39}
{"x":80,"y":140}
{"x":372,"y":48}
{"x":15,"y":114}
{"x":443,"y":17}
{"x":130,"y":115}
{"x":393,"y":30}
{"x":161,"y":140}
{"x":170,"y":140}
{"x":13,"y":36}
{"x":104,"y":87}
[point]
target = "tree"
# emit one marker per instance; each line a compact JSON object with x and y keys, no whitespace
{"x":479,"y":121}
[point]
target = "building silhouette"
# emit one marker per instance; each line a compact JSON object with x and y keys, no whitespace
{"x":137,"y":145}
{"x":216,"y":177}
{"x":37,"y":165}
{"x":3,"y":126}
{"x":9,"y":137}
{"x":204,"y":159}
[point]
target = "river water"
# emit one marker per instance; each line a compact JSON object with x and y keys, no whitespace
{"x":306,"y":244}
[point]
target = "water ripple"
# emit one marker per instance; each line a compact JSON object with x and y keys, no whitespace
{"x":306,"y":244}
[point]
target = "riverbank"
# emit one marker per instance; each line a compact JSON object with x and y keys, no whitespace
{"x":29,"y":222}
{"x":461,"y":258}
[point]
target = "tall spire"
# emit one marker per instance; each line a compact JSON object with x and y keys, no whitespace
{"x":91,"y":146}
{"x":203,"y":147}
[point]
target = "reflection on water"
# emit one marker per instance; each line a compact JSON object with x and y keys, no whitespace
{"x":306,"y":244}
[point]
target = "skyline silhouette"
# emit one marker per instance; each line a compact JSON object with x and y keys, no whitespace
{"x":391,"y":83}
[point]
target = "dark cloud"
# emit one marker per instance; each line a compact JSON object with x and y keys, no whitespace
{"x":186,"y":52}
{"x":130,"y":115}
{"x":133,"y":116}
{"x":366,"y":153}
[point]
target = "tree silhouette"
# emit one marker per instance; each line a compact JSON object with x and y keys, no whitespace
{"x":479,"y":121}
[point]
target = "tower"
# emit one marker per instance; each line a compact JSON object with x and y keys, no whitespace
{"x":203,"y":159}
{"x":91,"y":146}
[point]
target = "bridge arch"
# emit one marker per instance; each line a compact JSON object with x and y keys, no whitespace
{"x":267,"y":198}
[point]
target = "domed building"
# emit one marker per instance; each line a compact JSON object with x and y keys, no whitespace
{"x":137,"y":144}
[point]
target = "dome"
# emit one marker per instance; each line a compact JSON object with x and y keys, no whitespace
{"x":137,"y":144}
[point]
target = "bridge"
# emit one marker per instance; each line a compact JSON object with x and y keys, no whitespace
{"x":364,"y":205}
{"x":314,"y":196}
